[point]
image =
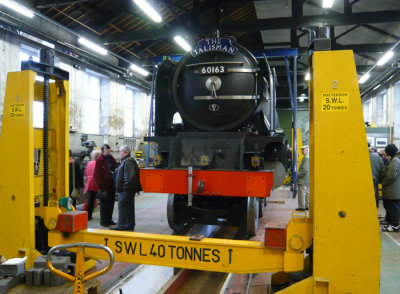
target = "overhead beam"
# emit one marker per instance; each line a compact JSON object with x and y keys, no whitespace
{"x":358,"y":48}
{"x":48,"y":4}
{"x":311,"y":20}
{"x":380,"y":31}
{"x":346,"y":32}
{"x":169,"y":3}
{"x":267,"y":24}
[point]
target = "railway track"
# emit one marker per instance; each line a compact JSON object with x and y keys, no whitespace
{"x":199,"y":282}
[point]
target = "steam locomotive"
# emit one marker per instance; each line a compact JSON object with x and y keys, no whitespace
{"x":220,"y":159}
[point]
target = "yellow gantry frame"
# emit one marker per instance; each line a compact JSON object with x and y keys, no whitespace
{"x":343,"y":218}
{"x":19,"y":186}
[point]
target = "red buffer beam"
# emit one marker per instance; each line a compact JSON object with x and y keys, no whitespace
{"x":206,"y":182}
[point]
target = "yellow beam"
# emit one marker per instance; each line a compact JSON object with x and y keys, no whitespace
{"x":179,"y":251}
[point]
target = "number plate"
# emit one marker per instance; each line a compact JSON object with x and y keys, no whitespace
{"x":212,"y":70}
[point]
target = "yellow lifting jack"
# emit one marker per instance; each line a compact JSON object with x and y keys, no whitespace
{"x":342,"y":226}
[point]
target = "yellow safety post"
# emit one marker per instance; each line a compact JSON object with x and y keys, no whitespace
{"x":80,"y":277}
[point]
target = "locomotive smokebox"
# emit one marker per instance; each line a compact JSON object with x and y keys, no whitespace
{"x":216,"y":87}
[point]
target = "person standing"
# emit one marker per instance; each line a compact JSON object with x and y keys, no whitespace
{"x":127,"y":184}
{"x":303,"y":180}
{"x":391,"y":190}
{"x":75,"y":179}
{"x":377,"y":167}
{"x":104,"y":176}
{"x":91,"y":186}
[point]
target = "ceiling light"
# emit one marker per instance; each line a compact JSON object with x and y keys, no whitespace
{"x":364,"y":78}
{"x":139,"y":70}
{"x":307,"y":77}
{"x":17,"y":7}
{"x":92,"y":46}
{"x":142,"y":4}
{"x":48,"y":44}
{"x":376,"y":87}
{"x":385,"y":58}
{"x":327,"y":3}
{"x":181,"y":42}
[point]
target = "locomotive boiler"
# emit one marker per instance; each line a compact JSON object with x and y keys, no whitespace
{"x":216,"y":135}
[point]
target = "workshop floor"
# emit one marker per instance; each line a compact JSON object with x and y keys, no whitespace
{"x":150,"y":205}
{"x":390,"y":260}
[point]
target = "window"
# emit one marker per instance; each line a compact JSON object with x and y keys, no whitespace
{"x":27,"y":53}
{"x":367,"y":111}
{"x":128,"y":112}
{"x":38,"y":114}
{"x":396,"y":111}
{"x":177,"y":119}
{"x":141,"y":107}
{"x":381,"y":108}
{"x":91,"y":104}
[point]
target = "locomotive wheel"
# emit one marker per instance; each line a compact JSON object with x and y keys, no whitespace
{"x":252,"y":216}
{"x":175,"y":211}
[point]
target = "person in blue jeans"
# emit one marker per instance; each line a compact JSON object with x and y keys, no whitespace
{"x":127,"y":185}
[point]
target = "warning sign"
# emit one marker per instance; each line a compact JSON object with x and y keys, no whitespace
{"x":337,"y":101}
{"x":17,"y":110}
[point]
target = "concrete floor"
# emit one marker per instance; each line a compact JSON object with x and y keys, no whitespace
{"x":390,"y":260}
{"x":151,"y":218}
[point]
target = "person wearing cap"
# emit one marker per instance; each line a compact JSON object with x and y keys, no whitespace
{"x":377,"y":168}
{"x":391,"y":190}
{"x":303,"y":180}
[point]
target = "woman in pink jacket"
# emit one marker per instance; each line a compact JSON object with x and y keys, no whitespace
{"x":91,"y":185}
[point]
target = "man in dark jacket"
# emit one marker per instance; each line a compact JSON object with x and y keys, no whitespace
{"x":128,"y":184}
{"x":104,"y":176}
{"x":391,"y":190}
{"x":377,"y":168}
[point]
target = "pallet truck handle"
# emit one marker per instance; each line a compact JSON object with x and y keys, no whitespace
{"x":79,"y":278}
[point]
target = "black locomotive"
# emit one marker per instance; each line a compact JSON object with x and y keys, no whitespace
{"x":225,"y":98}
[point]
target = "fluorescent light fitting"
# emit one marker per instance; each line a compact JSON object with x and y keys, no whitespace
{"x":364,"y":78}
{"x":307,"y":77}
{"x":376,"y":87}
{"x":139,"y":70}
{"x":17,"y":7}
{"x":150,"y":11}
{"x":385,"y":58}
{"x":327,"y":3}
{"x":181,"y":42}
{"x":48,"y":44}
{"x":92,"y":46}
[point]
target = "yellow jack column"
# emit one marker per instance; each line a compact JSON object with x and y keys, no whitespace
{"x":346,"y":240}
{"x":16,"y":171}
{"x":21,"y":183}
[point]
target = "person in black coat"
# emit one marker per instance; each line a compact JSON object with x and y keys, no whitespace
{"x":104,"y":176}
{"x":127,"y":185}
